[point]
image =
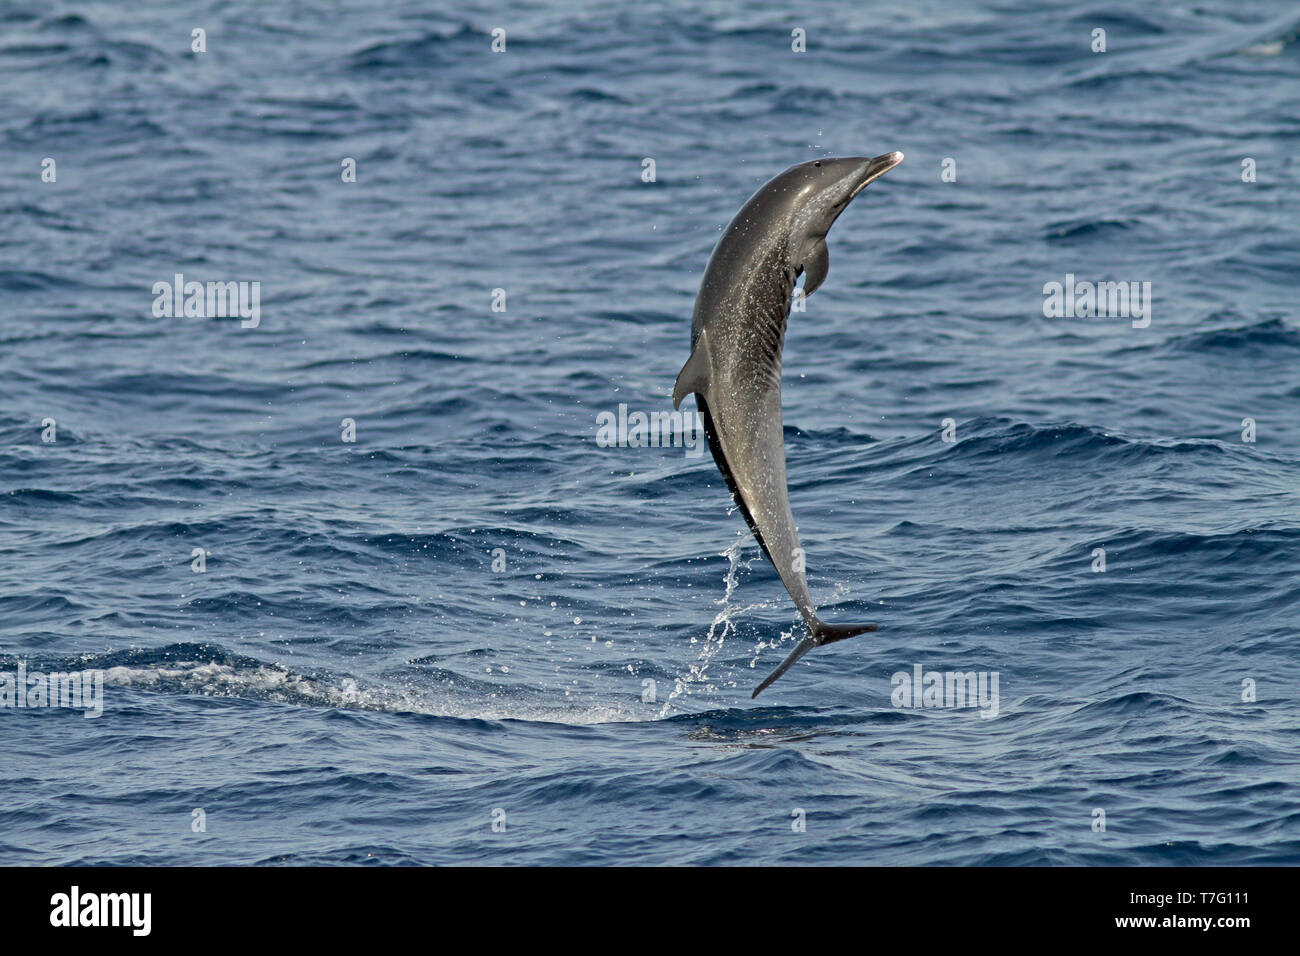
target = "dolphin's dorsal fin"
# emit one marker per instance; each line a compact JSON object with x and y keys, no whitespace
{"x":695,"y":374}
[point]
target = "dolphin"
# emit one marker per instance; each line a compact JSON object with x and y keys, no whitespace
{"x":734,"y":370}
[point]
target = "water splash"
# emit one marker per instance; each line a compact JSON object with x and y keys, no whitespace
{"x":723,"y":625}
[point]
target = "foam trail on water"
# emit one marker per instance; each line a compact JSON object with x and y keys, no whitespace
{"x":274,"y":683}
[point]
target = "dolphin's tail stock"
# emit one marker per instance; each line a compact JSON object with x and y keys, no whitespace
{"x":819,"y":633}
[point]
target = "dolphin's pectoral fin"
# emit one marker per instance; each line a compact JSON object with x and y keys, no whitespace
{"x":819,"y":633}
{"x":694,"y":376}
{"x":815,"y":266}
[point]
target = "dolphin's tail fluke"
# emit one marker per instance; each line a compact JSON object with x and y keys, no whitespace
{"x":819,"y":633}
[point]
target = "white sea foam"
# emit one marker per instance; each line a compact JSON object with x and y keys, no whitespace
{"x":273,"y":683}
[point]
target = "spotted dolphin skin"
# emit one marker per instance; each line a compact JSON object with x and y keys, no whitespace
{"x":734,"y":370}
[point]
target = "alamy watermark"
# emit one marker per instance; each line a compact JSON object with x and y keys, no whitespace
{"x":75,"y":908}
{"x":676,"y":429}
{"x":79,"y":690}
{"x":951,"y":689}
{"x":1101,"y":300}
{"x":210,"y":300}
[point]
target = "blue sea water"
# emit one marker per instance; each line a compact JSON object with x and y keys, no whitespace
{"x":350,"y":680}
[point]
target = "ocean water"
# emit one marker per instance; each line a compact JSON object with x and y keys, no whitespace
{"x":475,"y":613}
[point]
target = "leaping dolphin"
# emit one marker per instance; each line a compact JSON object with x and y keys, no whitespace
{"x":734,"y":371}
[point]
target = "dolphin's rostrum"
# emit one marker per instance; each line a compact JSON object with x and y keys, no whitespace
{"x":734,"y":370}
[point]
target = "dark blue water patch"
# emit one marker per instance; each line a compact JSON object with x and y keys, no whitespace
{"x":475,"y":607}
{"x":431,"y":49}
{"x":1088,"y":230}
{"x":1271,"y":338}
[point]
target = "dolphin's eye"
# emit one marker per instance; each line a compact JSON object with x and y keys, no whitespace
{"x":818,"y":163}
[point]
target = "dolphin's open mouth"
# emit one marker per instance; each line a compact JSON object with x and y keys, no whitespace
{"x":875,"y":168}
